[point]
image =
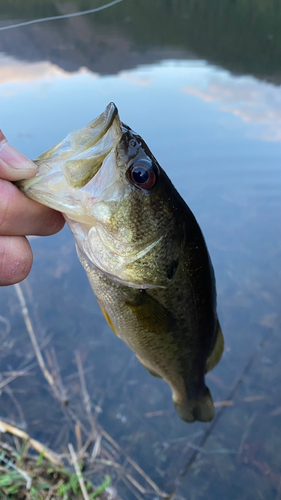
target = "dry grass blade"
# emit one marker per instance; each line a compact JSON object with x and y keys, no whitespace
{"x":34,"y":342}
{"x":129,"y":486}
{"x":246,"y":434}
{"x":84,"y":448}
{"x":227,"y":402}
{"x":96,"y":448}
{"x":78,"y":472}
{"x":7,"y":323}
{"x":51,"y":356}
{"x":50,"y":494}
{"x":110,"y":463}
{"x":134,"y":464}
{"x":7,"y":389}
{"x":230,"y":402}
{"x":135,"y":483}
{"x":158,"y":413}
{"x":85,"y":394}
{"x":30,"y":330}
{"x":14,"y":375}
{"x":251,"y":399}
{"x":124,"y":474}
{"x":78,"y":436}
{"x":36,"y":445}
{"x":86,"y":397}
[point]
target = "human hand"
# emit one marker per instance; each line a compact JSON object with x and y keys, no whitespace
{"x":19,"y":216}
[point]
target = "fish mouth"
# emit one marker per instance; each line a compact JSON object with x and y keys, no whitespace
{"x":69,"y":166}
{"x":81,"y":168}
{"x":107,"y":116}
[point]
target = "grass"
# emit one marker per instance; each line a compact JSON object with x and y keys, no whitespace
{"x":24,"y":477}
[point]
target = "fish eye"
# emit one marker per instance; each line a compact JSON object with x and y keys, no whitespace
{"x":143,"y":173}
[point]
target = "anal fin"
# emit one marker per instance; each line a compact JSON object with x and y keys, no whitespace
{"x":150,"y":371}
{"x":217,"y":351}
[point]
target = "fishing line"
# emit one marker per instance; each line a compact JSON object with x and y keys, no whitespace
{"x":63,"y":16}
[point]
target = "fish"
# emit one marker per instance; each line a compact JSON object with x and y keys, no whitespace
{"x":143,"y":251}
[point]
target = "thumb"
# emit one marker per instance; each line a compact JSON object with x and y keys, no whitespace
{"x":13,"y":165}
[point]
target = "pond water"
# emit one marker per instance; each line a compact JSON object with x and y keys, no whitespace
{"x":200,"y":81}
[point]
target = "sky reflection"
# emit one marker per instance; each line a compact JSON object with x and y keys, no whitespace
{"x":218,"y":137}
{"x":255,"y":103}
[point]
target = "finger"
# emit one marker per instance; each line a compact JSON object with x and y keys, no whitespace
{"x":13,"y":165}
{"x":15,"y":259}
{"x":21,"y":216}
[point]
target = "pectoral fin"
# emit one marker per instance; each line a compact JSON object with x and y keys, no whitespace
{"x":150,"y":314}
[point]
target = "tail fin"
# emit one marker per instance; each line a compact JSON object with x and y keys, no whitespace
{"x":201,"y":409}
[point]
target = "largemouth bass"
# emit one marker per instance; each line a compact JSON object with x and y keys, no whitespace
{"x":143,"y":252}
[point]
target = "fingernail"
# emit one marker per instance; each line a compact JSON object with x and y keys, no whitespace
{"x":2,"y":137}
{"x":14,"y":158}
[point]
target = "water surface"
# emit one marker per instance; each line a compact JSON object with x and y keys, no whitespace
{"x":203,"y":91}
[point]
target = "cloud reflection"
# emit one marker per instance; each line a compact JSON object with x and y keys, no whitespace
{"x":249,"y":99}
{"x":13,"y":71}
{"x":136,"y":78}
